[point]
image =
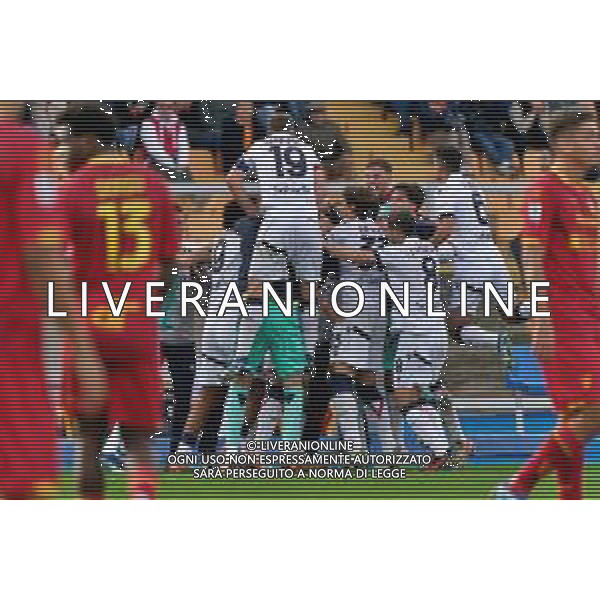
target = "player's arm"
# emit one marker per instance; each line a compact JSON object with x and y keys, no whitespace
{"x":444,"y":228}
{"x":154,"y":146}
{"x":535,"y":235}
{"x":44,"y":231}
{"x":235,"y":183}
{"x":361,"y":257}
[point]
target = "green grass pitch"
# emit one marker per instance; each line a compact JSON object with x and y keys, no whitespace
{"x":473,"y":482}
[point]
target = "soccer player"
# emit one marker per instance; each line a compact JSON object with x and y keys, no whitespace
{"x":561,"y":246}
{"x":217,"y":348}
{"x":421,"y":341}
{"x":288,"y":249}
{"x":123,"y":231}
{"x":357,"y":348}
{"x":457,"y":207}
{"x":32,"y":240}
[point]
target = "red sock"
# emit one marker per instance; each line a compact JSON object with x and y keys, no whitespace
{"x":562,"y":452}
{"x":569,"y":463}
{"x":143,"y":484}
{"x":535,"y":468}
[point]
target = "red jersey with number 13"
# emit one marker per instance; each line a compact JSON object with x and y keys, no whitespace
{"x":122,"y":225}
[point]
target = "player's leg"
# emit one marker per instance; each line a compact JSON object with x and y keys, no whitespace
{"x":420,"y":359}
{"x":208,"y":390}
{"x":288,"y":354}
{"x":270,"y":413}
{"x":93,"y":431}
{"x":142,"y":473}
{"x":137,"y":404}
{"x":250,"y":352}
{"x":348,"y":348}
{"x":346,"y":408}
{"x":181,"y":361}
{"x":562,"y":452}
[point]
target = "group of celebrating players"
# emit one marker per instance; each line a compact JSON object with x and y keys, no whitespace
{"x":111,"y":220}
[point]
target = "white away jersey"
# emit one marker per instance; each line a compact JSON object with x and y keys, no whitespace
{"x":357,"y":235}
{"x":285,"y":167}
{"x":415,"y":262}
{"x":459,"y":197}
{"x":225,"y":266}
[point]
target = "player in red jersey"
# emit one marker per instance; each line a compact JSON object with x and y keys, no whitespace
{"x":123,"y":229}
{"x":562,"y":247}
{"x":32,"y":243}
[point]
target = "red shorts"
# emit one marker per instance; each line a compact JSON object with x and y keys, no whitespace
{"x":29,"y":428}
{"x":136,"y":396}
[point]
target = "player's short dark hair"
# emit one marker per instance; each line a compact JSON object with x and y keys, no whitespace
{"x":450,"y":157}
{"x":404,"y":222}
{"x":380,"y":163}
{"x":90,"y":120}
{"x":359,"y":198}
{"x":568,"y":122}
{"x":279,"y":121}
{"x":232,"y":212}
{"x":414,"y":193}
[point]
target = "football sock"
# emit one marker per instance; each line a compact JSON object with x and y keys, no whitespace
{"x":114,"y":441}
{"x":562,"y":452}
{"x":380,"y":427}
{"x":345,"y":407}
{"x":472,"y":335}
{"x":234,"y":414}
{"x":429,"y":427}
{"x":569,"y":463}
{"x":534,"y":469}
{"x":292,"y":420}
{"x":268,"y":417}
{"x":397,"y":418}
{"x":453,"y":425}
{"x":190,"y":439}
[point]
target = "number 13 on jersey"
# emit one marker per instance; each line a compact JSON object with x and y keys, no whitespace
{"x":125,"y":213}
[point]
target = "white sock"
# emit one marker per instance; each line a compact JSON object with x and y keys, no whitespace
{"x":114,"y":441}
{"x":472,"y":335}
{"x":269,"y":415}
{"x":345,"y":407}
{"x":397,"y":418}
{"x":380,"y":426}
{"x":429,"y":427}
{"x":453,"y":425}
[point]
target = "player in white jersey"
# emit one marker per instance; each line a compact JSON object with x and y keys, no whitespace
{"x":288,"y":249}
{"x":358,"y":341}
{"x":226,"y":257}
{"x":458,"y":208}
{"x":421,"y":337}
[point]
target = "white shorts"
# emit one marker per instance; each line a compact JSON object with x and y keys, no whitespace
{"x":217,"y":351}
{"x":420,"y":357}
{"x":360,"y":342}
{"x":281,"y":242}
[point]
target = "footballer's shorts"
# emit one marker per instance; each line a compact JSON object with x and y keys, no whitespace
{"x":282,"y":246}
{"x":420,"y":357}
{"x":130,"y":348}
{"x":29,"y":427}
{"x":136,"y":396}
{"x":275,"y":335}
{"x":359,"y":342}
{"x":217,"y":351}
{"x":483,"y":265}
